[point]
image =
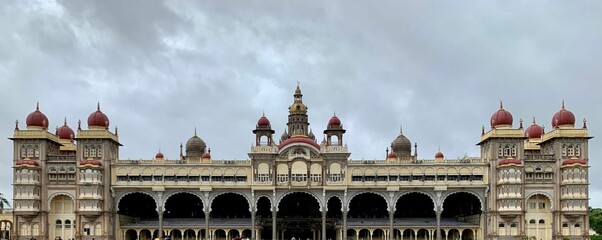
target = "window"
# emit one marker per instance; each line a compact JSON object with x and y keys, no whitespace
{"x":513,"y":225}
{"x":513,"y":150}
{"x":501,"y":225}
{"x":565,"y":225}
{"x":507,"y":150}
{"x":577,"y":225}
{"x":59,"y":224}
{"x":30,"y":152}
{"x":158,"y":178}
{"x":99,"y":152}
{"x":571,"y":151}
{"x":240,"y":178}
{"x":205,"y":178}
{"x":263,"y":177}
{"x":577,"y":150}
{"x":282,"y":177}
{"x":67,"y":224}
{"x":92,"y":152}
{"x":318,"y":177}
{"x":532,"y":221}
{"x":441,"y":177}
{"x":541,"y":221}
{"x":542,"y":205}
{"x":563,"y":150}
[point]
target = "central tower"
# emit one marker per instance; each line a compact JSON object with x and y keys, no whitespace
{"x":298,"y":124}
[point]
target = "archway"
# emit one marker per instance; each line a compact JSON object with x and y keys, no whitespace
{"x":61,"y":216}
{"x":333,"y":215}
{"x":462,"y":207}
{"x":145,"y":234}
{"x":185,"y":206}
{"x":138,"y":207}
{"x":414,"y":205}
{"x":230,"y":205}
{"x":300,"y":214}
{"x":264,"y":216}
{"x":6,"y":227}
{"x":539,"y":216}
{"x":468,"y":234}
{"x":131,"y":234}
{"x":368,"y":205}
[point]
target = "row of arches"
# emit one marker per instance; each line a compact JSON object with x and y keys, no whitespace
{"x":297,"y":214}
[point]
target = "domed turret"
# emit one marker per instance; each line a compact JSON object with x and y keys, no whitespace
{"x":98,"y":119}
{"x":534,"y":131}
{"x":439,"y":154}
{"x":263,"y":121}
{"x":195,"y":146}
{"x":207,"y":155}
{"x":402,"y":145}
{"x":65,"y":132}
{"x":159,"y":155}
{"x":37,"y":119}
{"x":563,"y":118}
{"x":334,"y":121}
{"x":501,"y":118}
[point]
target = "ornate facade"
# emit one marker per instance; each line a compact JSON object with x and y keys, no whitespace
{"x":526,"y":183}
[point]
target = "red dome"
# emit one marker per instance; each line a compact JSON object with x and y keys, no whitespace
{"x":206,"y":155}
{"x":159,"y":155}
{"x":90,"y":162}
{"x":263,"y":121}
{"x":37,"y":118}
{"x":392,"y":155}
{"x":98,"y":119}
{"x":27,"y":162}
{"x":534,"y":131}
{"x":501,"y":117}
{"x":65,"y":132}
{"x":439,"y":155}
{"x":563,"y":117}
{"x":298,"y":140}
{"x":334,"y":121}
{"x":574,"y":161}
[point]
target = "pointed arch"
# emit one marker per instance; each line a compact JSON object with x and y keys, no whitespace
{"x":463,"y":191}
{"x":198,"y":195}
{"x":213,"y":197}
{"x":320,"y":204}
{"x":121,"y":196}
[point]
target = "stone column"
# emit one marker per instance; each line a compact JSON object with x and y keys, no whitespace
{"x":274,"y":231}
{"x":252,"y":225}
{"x":207,"y":224}
{"x":438,"y":213}
{"x":160,"y":213}
{"x":324,"y":224}
{"x":391,"y":216}
{"x":345,"y":225}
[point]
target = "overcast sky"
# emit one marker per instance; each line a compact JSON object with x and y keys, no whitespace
{"x":439,"y":69}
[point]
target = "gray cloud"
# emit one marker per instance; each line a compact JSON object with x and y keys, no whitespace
{"x":161,"y":68}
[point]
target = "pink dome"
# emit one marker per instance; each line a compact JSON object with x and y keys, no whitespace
{"x":65,"y":132}
{"x":534,"y":131}
{"x":501,"y":117}
{"x":563,"y":117}
{"x":263,"y":121}
{"x":392,"y":155}
{"x":37,"y":118}
{"x":206,"y":155}
{"x":439,"y":155}
{"x":334,"y":121}
{"x":159,"y":155}
{"x":98,"y":119}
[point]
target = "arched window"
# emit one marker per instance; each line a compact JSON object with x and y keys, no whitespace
{"x":571,"y":151}
{"x":67,"y":224}
{"x":513,"y":225}
{"x":564,"y":150}
{"x":513,"y":149}
{"x":501,"y":225}
{"x":541,"y":221}
{"x":532,"y":221}
{"x":577,"y":225}
{"x":59,"y":224}
{"x":577,"y":150}
{"x":507,"y":150}
{"x":565,"y":225}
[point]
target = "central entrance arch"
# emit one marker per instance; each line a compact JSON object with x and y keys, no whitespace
{"x":299,"y":216}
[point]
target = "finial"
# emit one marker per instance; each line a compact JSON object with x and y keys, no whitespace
{"x":483,"y":130}
{"x":38,"y":106}
{"x":116,"y":129}
{"x":563,"y":103}
{"x":401,"y":129}
{"x":501,"y":104}
{"x":584,"y":123}
{"x":56,"y":130}
{"x":334,"y":113}
{"x":209,"y":150}
{"x":521,"y":123}
{"x":98,"y":106}
{"x":17,"y":124}
{"x":65,"y":123}
{"x":263,"y":113}
{"x":534,"y":120}
{"x":439,"y":148}
{"x":195,"y":130}
{"x":79,"y":124}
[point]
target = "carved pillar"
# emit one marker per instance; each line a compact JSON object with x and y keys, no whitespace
{"x":274,"y":231}
{"x":252,"y":225}
{"x":438,"y":213}
{"x":391,"y":216}
{"x":324,"y":224}
{"x":207,"y":212}
{"x":160,"y":213}
{"x":345,"y":224}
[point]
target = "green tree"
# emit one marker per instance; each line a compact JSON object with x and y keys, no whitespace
{"x":595,"y":219}
{"x":3,"y":202}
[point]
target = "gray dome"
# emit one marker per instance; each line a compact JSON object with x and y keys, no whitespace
{"x":195,"y":146}
{"x":402,"y":146}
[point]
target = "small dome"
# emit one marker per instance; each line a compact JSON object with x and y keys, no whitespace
{"x":65,"y":132}
{"x":37,"y":118}
{"x":263,"y":121}
{"x":392,"y":155}
{"x":98,"y":119}
{"x":402,"y":145}
{"x":439,"y":155}
{"x":207,"y":155}
{"x":159,"y":155}
{"x":195,"y":146}
{"x":501,"y":117}
{"x":534,"y":131}
{"x":90,"y":162}
{"x":299,"y":139}
{"x":563,"y":117}
{"x":334,"y":121}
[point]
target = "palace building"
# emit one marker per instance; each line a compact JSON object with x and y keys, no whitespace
{"x":525,"y":183}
